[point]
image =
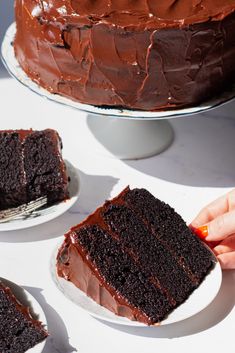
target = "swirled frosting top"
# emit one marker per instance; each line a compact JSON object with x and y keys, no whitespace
{"x":143,"y":13}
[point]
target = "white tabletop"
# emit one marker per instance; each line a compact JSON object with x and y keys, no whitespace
{"x":198,"y":167}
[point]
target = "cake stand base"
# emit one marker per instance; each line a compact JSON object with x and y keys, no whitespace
{"x":129,"y":138}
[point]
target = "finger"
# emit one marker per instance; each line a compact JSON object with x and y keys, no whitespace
{"x":227,"y":261}
{"x":227,"y":245}
{"x":216,"y":208}
{"x":221,"y":227}
{"x":202,"y":233}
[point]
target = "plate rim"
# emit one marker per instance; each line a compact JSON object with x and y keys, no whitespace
{"x":44,"y":218}
{"x":123,"y":113}
{"x":123,"y":321}
{"x":33,"y":304}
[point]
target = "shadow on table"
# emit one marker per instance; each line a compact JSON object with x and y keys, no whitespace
{"x":58,"y":341}
{"x":217,"y":311}
{"x":3,"y":71}
{"x":201,"y":154}
{"x":94,"y":190}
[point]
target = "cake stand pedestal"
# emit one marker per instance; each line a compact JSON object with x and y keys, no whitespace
{"x":127,"y":134}
{"x":131,"y":139}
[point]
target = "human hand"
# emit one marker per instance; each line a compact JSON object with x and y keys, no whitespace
{"x":216,"y":224}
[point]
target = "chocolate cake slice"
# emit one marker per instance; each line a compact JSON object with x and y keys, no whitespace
{"x":12,"y":177}
{"x":18,"y":330}
{"x":31,"y":166}
{"x":135,"y":256}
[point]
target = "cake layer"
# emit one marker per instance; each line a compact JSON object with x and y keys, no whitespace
{"x":134,"y":237}
{"x":121,"y":273}
{"x":75,"y":267}
{"x":171,"y":230}
{"x":12,"y":177}
{"x":18,"y":330}
{"x":121,"y":260}
{"x":31,"y":166}
{"x":44,"y":167}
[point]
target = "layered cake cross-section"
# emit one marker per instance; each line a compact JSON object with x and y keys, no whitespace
{"x":31,"y":166}
{"x":135,"y":256}
{"x":18,"y":330}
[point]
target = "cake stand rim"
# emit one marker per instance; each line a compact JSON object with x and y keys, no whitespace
{"x":122,"y":113}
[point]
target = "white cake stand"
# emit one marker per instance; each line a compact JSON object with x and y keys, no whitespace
{"x":127,"y":134}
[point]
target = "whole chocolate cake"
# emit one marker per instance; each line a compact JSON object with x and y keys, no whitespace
{"x":18,"y":330}
{"x":135,"y":256}
{"x":149,"y":55}
{"x":31,"y":166}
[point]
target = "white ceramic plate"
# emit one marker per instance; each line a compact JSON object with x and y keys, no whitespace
{"x":197,"y":301}
{"x":46,"y":214}
{"x":28,"y":300}
{"x":15,"y":70}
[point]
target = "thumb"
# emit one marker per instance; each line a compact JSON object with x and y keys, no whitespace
{"x":221,"y":227}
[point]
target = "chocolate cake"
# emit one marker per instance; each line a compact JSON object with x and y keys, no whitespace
{"x":18,"y":330}
{"x":135,"y":256}
{"x":31,"y":166}
{"x":149,"y":55}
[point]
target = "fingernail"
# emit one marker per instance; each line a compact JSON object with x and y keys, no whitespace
{"x":201,"y":232}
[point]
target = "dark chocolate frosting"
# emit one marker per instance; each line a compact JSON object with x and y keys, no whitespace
{"x":190,"y":260}
{"x":25,"y":310}
{"x":137,"y":54}
{"x":143,"y":13}
{"x":73,"y":264}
